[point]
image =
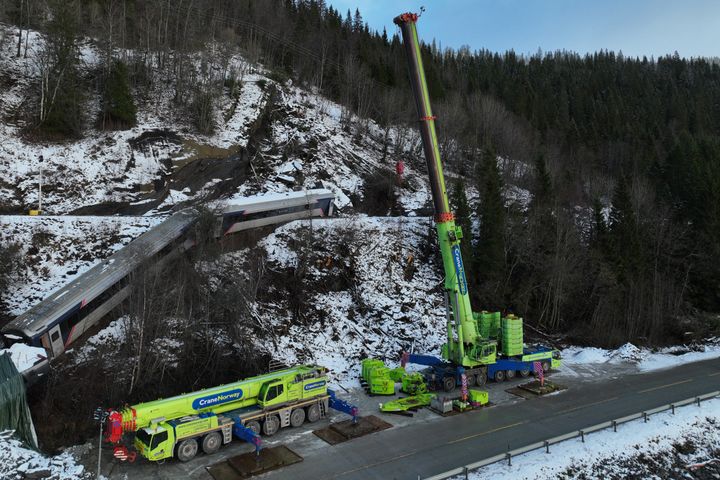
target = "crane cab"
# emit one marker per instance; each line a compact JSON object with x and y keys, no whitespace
{"x":155,"y":442}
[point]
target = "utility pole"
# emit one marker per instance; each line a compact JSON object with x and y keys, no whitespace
{"x":40,"y":187}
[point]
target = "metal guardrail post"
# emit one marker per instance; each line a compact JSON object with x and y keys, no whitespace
{"x":547,"y":446}
{"x":672,"y":407}
{"x":467,"y":473}
{"x":698,"y":401}
{"x":614,"y":424}
{"x":645,"y":417}
{"x":509,"y":459}
{"x":582,"y":436}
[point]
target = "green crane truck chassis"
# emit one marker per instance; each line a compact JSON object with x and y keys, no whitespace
{"x":180,"y":426}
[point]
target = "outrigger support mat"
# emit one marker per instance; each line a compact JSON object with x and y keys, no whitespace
{"x":250,"y":464}
{"x":343,"y":431}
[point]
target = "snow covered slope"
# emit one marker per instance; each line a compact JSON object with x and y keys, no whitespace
{"x":55,"y":250}
{"x":290,"y":137}
{"x":372,"y":288}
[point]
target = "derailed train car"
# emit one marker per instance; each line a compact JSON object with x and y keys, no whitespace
{"x":67,"y":313}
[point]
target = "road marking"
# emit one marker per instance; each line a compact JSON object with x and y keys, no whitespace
{"x":365,"y":467}
{"x":666,"y":386}
{"x":714,"y":374}
{"x":587,"y":405}
{"x":485,"y":433}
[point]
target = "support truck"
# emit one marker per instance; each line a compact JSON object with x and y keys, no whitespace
{"x":208,"y":419}
{"x":480,"y":345}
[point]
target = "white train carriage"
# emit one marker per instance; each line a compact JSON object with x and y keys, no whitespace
{"x":65,"y":315}
{"x":269,"y":209}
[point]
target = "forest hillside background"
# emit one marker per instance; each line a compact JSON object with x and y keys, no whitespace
{"x":621,"y":238}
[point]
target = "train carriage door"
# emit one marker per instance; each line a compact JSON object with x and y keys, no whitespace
{"x":56,"y":340}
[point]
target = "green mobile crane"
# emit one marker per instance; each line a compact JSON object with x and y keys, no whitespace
{"x":471,"y":349}
{"x":182,"y":425}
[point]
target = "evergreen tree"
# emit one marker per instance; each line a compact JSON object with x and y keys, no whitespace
{"x":461,"y":208}
{"x":118,"y":106}
{"x":62,"y":110}
{"x":625,"y":243}
{"x":490,"y":252}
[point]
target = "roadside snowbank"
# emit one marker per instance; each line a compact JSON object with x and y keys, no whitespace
{"x":19,"y":462}
{"x":645,"y":359}
{"x":664,"y":447}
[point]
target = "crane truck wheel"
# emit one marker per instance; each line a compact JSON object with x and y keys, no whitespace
{"x":313,"y":413}
{"x":449,"y":384}
{"x":297,"y":417}
{"x":211,"y":443}
{"x":509,"y":374}
{"x":481,"y":379}
{"x":253,"y":425}
{"x":271,"y":425}
{"x":546,"y":366}
{"x":187,"y":449}
{"x":500,"y":376}
{"x":470,"y":380}
{"x":525,"y":372}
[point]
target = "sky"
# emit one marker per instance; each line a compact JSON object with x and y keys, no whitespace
{"x":637,"y":27}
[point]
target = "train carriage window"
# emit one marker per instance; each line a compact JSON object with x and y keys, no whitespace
{"x":54,"y":337}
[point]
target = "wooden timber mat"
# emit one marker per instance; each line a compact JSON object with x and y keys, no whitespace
{"x":249,"y":464}
{"x":534,"y":390}
{"x":343,"y":431}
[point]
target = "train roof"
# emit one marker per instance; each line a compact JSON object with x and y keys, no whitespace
{"x":99,"y":278}
{"x":277,"y":200}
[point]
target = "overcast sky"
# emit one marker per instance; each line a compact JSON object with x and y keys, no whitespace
{"x":637,"y":27}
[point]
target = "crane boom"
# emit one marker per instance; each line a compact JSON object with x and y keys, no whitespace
{"x":469,"y":349}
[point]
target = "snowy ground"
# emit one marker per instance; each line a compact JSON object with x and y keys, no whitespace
{"x":668,"y":446}
{"x":370,"y":292}
{"x":18,"y":462}
{"x":55,"y":250}
{"x":583,"y":361}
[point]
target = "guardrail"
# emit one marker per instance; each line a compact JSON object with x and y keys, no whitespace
{"x":546,"y":444}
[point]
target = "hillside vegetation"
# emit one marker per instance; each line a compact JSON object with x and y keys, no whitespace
{"x":620,"y":238}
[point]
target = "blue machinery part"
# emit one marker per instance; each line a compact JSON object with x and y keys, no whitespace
{"x":248,"y":435}
{"x":342,"y":406}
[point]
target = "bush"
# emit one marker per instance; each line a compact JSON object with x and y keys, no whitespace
{"x":118,"y":106}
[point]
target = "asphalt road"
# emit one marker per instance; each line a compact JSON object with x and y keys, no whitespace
{"x":428,"y":448}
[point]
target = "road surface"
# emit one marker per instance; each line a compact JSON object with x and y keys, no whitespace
{"x":434,"y":447}
{"x":428,"y":444}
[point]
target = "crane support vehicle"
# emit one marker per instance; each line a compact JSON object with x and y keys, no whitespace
{"x":206,"y":420}
{"x":480,"y":345}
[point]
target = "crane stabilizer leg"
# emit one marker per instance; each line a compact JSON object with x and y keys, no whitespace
{"x":343,"y":406}
{"x":244,"y":433}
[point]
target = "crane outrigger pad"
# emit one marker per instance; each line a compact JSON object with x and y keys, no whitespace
{"x":534,"y":389}
{"x":347,"y":430}
{"x":249,"y":464}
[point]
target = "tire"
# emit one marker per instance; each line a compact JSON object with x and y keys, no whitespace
{"x":546,"y":366}
{"x":211,"y":443}
{"x":313,"y":413}
{"x":297,"y":417}
{"x":509,"y":374}
{"x":470,"y":380}
{"x":499,"y":376}
{"x":481,"y":379}
{"x":187,"y":449}
{"x":254,"y":425}
{"x":448,"y":384}
{"x":271,"y":425}
{"x":525,"y":372}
